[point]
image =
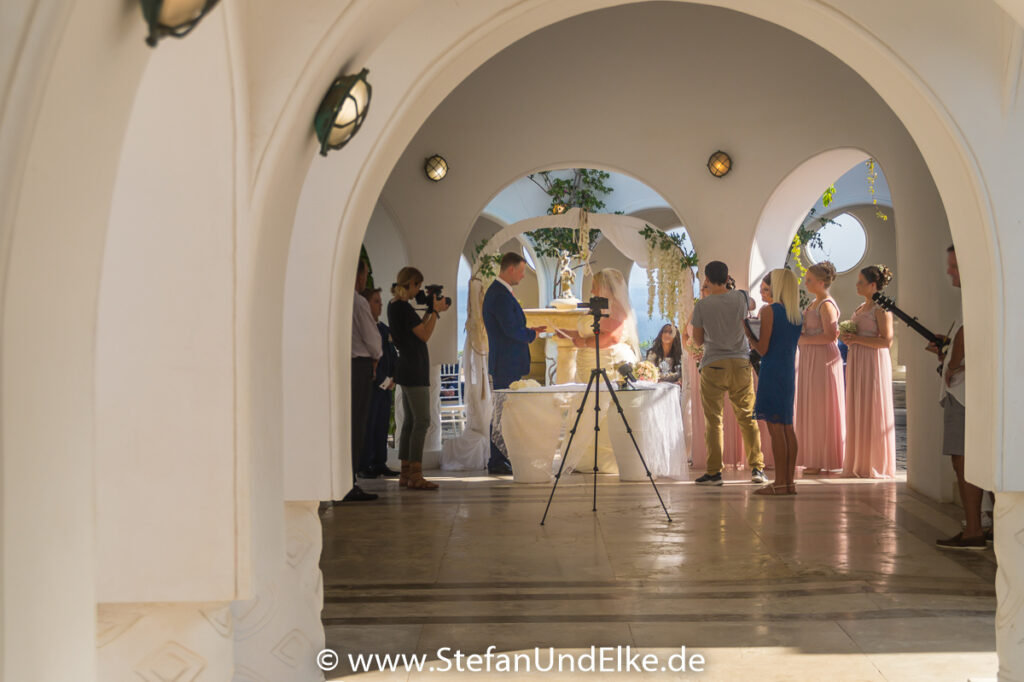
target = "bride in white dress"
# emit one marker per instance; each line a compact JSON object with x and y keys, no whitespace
{"x":618,"y":336}
{"x":619,"y":343}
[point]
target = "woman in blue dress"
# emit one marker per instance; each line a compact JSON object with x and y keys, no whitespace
{"x":781,"y":324}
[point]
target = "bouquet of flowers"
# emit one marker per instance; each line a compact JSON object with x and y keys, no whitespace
{"x":646,"y":371}
{"x":847,"y":327}
{"x":524,"y":383}
{"x":696,"y":351}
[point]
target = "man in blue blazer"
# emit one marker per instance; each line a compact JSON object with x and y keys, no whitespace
{"x":509,"y":340}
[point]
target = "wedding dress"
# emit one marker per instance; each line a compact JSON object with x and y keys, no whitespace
{"x":622,"y":325}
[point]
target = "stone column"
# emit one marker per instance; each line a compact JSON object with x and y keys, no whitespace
{"x":278,"y":633}
{"x":1009,"y":545}
{"x":159,"y":642}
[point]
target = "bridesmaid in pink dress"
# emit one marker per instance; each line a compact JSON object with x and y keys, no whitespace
{"x":870,"y":424}
{"x":820,"y":394}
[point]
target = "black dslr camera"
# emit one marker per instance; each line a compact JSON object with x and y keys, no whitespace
{"x":429,"y":293}
{"x":595,"y":303}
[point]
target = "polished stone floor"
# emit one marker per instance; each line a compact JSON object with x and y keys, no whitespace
{"x":840,"y":583}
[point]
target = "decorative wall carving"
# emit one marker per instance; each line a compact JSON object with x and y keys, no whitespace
{"x":1009,"y":544}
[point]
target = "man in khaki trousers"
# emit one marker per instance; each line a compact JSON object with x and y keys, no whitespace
{"x":725,"y":368}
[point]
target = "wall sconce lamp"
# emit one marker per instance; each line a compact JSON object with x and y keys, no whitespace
{"x":558,"y":209}
{"x":719,"y":164}
{"x":342,"y":111}
{"x":436,"y":168}
{"x":175,"y":18}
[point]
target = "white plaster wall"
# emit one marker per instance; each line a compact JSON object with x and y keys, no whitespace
{"x":59,"y":170}
{"x":168,"y":488}
{"x":385,"y":245}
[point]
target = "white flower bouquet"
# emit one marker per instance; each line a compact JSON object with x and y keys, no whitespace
{"x":524,"y":383}
{"x":847,"y":327}
{"x":646,"y":371}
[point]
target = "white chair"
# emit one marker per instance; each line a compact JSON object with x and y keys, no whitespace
{"x":453,"y":405}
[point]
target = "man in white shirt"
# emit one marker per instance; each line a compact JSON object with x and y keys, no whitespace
{"x":953,"y":437}
{"x":366,"y":351}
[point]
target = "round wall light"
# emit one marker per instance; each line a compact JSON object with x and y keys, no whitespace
{"x":175,"y":18}
{"x":436,"y":168}
{"x":342,"y":111}
{"x":558,"y":209}
{"x":719,"y":164}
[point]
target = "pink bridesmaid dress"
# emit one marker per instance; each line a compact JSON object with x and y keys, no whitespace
{"x":820,"y":399}
{"x":870,"y":423}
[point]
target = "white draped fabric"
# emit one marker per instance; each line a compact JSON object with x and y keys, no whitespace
{"x":536,"y":424}
{"x":470,"y":451}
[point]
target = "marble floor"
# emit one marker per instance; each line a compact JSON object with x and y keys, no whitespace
{"x":841,"y":583}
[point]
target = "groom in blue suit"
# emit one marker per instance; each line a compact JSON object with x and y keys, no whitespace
{"x":509,"y":340}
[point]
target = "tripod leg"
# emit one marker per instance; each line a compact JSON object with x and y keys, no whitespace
{"x":629,"y":431}
{"x":597,"y":424}
{"x":565,"y":452}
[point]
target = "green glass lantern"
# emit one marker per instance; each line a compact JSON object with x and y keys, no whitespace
{"x":342,"y":111}
{"x":175,"y":18}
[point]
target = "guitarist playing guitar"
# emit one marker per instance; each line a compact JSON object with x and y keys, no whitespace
{"x":953,"y":416}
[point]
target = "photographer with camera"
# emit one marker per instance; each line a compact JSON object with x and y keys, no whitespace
{"x":411,"y":333}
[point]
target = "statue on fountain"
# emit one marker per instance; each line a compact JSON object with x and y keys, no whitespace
{"x":566,"y":279}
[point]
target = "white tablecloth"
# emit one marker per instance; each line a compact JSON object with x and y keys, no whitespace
{"x":535,"y":424}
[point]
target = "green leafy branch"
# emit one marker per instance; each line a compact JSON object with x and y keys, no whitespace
{"x":486,"y":264}
{"x":665,"y":241}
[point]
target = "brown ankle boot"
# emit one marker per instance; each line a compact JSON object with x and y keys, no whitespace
{"x":416,"y":480}
{"x":403,"y":476}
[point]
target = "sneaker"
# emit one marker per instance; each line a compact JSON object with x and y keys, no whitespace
{"x":958,"y":541}
{"x":710,"y":479}
{"x":757,"y":476}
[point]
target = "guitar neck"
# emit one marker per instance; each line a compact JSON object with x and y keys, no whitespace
{"x":911,"y":322}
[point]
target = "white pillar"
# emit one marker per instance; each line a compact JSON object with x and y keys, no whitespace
{"x":1009,"y":545}
{"x":158,"y":642}
{"x":278,"y":633}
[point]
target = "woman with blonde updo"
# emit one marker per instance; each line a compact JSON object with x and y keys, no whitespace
{"x":870,"y":422}
{"x":412,"y":372}
{"x":820,"y":393}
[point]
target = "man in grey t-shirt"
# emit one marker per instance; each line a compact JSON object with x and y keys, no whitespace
{"x":725,"y":368}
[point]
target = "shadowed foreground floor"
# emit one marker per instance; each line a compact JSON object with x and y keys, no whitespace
{"x":841,"y":583}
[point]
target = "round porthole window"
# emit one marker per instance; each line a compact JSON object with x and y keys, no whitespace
{"x":841,"y":241}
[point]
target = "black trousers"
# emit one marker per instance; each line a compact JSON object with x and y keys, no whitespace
{"x":375,"y":447}
{"x":362,"y":389}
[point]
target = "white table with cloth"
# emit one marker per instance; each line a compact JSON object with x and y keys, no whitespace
{"x":535,"y":423}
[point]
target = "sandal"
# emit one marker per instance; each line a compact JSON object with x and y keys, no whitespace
{"x":416,"y":480}
{"x":403,"y":476}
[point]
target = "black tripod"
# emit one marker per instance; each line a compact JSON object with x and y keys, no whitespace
{"x":597,"y":374}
